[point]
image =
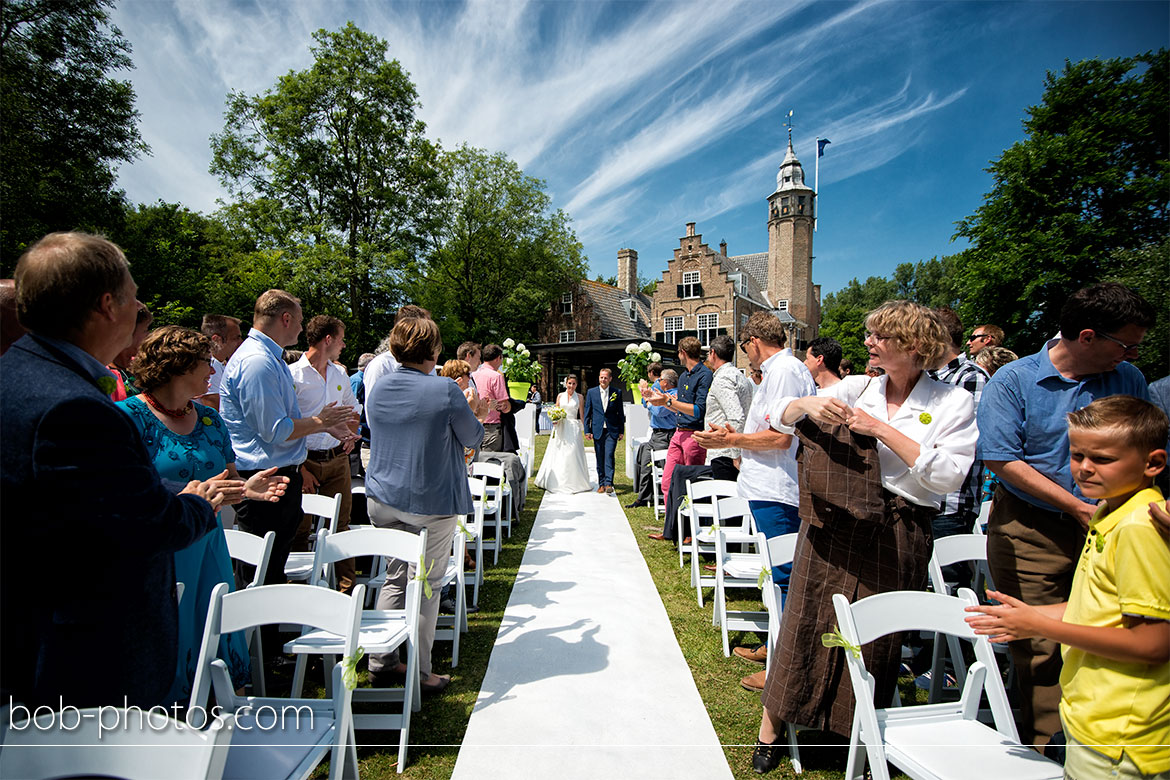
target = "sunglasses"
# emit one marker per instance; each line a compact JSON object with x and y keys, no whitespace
{"x":976,"y":337}
{"x":743,"y":345}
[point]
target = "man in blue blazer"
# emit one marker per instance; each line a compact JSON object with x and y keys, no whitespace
{"x":605,"y":423}
{"x":87,"y":578}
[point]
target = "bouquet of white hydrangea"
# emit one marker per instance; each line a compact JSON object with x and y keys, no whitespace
{"x":632,"y":368}
{"x":519,"y":365}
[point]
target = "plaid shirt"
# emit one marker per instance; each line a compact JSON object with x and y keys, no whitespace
{"x":965,"y":373}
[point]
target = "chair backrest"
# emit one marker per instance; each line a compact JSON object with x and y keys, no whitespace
{"x":114,"y":742}
{"x":658,"y":458}
{"x":326,"y":508}
{"x":477,"y":487}
{"x":958,"y":548}
{"x":381,"y":542}
{"x":984,"y":516}
{"x":896,"y":611}
{"x":703,"y":494}
{"x":734,"y":514}
{"x":304,"y":605}
{"x":493,"y":473}
{"x":776,"y":551}
{"x":252,"y":550}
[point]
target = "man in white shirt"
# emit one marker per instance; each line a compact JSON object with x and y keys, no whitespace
{"x":319,"y":381}
{"x":225,"y":335}
{"x":823,"y":361}
{"x":384,"y":362}
{"x":728,"y":402}
{"x":767,"y":471}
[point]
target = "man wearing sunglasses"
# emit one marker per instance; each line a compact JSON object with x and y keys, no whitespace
{"x":982,"y":337}
{"x":1039,"y":518}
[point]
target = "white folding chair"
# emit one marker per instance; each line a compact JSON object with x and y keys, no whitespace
{"x":449,"y":627}
{"x":734,"y":525}
{"x":114,"y":742}
{"x":777,"y":551}
{"x":382,"y":631}
{"x":657,"y":462}
{"x":253,"y":551}
{"x":931,"y":741}
{"x":475,"y":535}
{"x":327,"y":509}
{"x":302,"y":732}
{"x":949,"y":550}
{"x":984,"y":516}
{"x":495,"y":502}
{"x":700,"y":508}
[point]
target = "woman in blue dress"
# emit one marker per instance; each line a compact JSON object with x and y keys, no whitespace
{"x":189,"y":441}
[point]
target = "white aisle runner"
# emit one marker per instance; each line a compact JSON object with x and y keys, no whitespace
{"x":586,"y":679}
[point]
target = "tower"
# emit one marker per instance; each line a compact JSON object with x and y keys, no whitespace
{"x":790,"y":237}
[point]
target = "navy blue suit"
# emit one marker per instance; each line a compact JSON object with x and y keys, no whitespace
{"x":605,"y":426}
{"x":87,"y":536}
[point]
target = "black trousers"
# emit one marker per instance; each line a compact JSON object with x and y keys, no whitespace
{"x":643,"y":474}
{"x":282,"y":517}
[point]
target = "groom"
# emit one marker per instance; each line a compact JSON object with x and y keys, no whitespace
{"x":605,"y":422}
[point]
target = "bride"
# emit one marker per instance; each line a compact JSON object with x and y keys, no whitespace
{"x":563,"y":469}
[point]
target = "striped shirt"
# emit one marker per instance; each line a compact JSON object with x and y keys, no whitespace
{"x":965,"y":373}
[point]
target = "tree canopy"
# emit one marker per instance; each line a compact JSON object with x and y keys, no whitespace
{"x":1087,"y":184}
{"x":65,"y":122}
{"x":334,"y":179}
{"x":499,"y":257}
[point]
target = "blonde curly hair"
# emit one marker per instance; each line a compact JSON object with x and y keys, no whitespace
{"x":913,"y":328}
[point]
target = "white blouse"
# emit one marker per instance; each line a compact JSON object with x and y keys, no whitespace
{"x":939,"y":416}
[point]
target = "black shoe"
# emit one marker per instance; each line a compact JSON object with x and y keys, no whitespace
{"x":388,"y":677}
{"x":636,"y":505}
{"x":766,"y":757}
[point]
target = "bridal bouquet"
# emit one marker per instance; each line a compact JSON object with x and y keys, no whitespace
{"x":518,"y":364}
{"x":632,"y":368}
{"x":556,"y":414}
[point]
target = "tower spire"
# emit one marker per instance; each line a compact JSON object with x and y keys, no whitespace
{"x":788,"y":124}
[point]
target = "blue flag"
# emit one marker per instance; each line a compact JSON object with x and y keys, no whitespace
{"x":821,"y":144}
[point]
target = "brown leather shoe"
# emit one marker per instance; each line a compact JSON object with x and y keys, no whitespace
{"x":754,"y":682}
{"x":757,"y":655}
{"x":601,"y":489}
{"x":656,"y":537}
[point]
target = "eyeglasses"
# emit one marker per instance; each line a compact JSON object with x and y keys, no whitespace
{"x":743,"y":345}
{"x":875,"y":337}
{"x":1119,"y":342}
{"x":976,"y":337}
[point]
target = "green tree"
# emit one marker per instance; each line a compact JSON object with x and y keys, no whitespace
{"x":843,"y":315}
{"x":1146,"y":271}
{"x":333,"y":180}
{"x":1088,"y":181}
{"x":499,"y":256}
{"x":65,"y":122}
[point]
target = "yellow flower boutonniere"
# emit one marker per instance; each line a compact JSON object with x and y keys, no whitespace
{"x":925,"y":418}
{"x":206,"y":421}
{"x":339,"y":388}
{"x":107,"y":384}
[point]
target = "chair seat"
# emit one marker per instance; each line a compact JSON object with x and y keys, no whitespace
{"x":743,"y":566}
{"x":733,"y":536}
{"x":299,"y":566}
{"x":958,"y":750}
{"x":380,"y":632}
{"x":254,"y":755}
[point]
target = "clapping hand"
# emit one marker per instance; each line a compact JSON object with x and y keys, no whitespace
{"x":654,"y":397}
{"x":332,"y":415}
{"x":217,"y":491}
{"x":715,"y":438}
{"x":1007,"y":621}
{"x":264,"y":486}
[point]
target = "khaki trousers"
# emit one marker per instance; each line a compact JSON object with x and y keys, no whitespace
{"x":1032,"y":554}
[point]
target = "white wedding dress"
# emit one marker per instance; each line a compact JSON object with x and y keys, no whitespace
{"x":563,"y":469}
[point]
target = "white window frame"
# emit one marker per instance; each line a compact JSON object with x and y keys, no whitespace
{"x":667,"y":331}
{"x":689,"y":280}
{"x":567,"y":303}
{"x":782,"y":305}
{"x":568,"y":336}
{"x":710,"y":330}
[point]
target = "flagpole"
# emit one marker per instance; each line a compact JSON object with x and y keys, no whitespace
{"x":817,"y":186}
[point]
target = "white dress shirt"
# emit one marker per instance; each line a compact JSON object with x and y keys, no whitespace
{"x":770,"y":475}
{"x":216,"y":376}
{"x":377,"y":368}
{"x":314,"y":391}
{"x":940,"y":417}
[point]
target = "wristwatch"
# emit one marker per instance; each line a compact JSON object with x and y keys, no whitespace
{"x":669,"y":402}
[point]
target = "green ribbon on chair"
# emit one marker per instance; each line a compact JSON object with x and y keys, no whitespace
{"x":834,"y":639}
{"x":764,"y":575}
{"x":349,"y":668}
{"x":463,"y":529}
{"x":421,"y":574}
{"x":686,"y":503}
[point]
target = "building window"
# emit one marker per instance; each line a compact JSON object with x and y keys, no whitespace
{"x":568,"y":336}
{"x":670,"y":326}
{"x":800,"y":204}
{"x":567,"y":303}
{"x":708,"y":328}
{"x":743,"y":320}
{"x":782,"y":305}
{"x":784,"y":205}
{"x":690,"y":285}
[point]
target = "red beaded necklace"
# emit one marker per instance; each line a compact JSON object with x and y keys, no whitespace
{"x":176,"y":413}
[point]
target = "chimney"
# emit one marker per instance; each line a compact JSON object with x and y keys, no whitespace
{"x":690,"y":228}
{"x":723,"y":248}
{"x":627,"y":275}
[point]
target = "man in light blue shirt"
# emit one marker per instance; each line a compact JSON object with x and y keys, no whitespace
{"x":259,"y":406}
{"x":663,"y":421}
{"x":1038,"y":519}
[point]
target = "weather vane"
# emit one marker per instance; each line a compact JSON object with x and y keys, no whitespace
{"x":788,"y":124}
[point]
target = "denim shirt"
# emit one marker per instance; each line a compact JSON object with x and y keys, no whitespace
{"x":259,"y":403}
{"x":660,"y":416}
{"x":1022,"y":415}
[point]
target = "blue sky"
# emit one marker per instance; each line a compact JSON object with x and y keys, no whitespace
{"x":642,"y":117}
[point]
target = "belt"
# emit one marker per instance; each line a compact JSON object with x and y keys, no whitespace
{"x":325,"y":455}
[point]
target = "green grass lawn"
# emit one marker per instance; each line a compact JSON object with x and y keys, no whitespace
{"x":436,"y":731}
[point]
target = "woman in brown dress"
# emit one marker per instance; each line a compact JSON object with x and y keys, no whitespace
{"x":890,"y":447}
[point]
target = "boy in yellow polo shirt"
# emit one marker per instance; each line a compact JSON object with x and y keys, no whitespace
{"x":1115,"y":685}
